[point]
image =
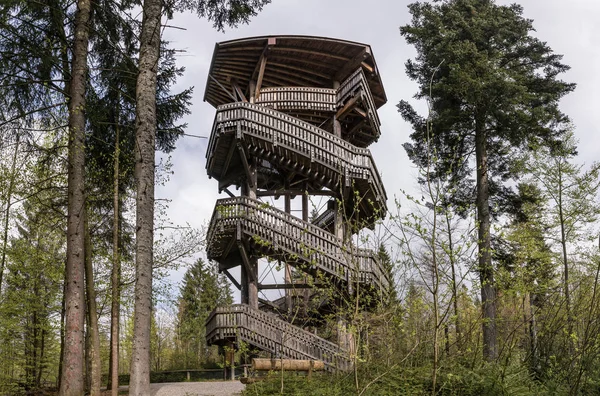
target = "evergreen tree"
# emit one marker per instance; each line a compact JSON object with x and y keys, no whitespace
{"x":201,"y":292}
{"x":388,"y":266}
{"x":494,"y":92}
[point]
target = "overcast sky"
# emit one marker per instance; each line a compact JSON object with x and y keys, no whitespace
{"x":569,"y":27}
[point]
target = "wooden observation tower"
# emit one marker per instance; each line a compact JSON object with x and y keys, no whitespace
{"x":295,"y":115}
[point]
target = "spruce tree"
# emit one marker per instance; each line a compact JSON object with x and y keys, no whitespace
{"x":494,"y":91}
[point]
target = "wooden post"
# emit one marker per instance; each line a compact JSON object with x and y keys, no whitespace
{"x":337,"y":127}
{"x":288,"y":269}
{"x":251,"y":88}
{"x":305,"y":292}
{"x":250,"y":280}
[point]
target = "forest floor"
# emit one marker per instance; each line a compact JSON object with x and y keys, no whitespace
{"x":206,"y":388}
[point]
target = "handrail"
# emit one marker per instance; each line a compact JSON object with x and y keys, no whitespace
{"x":296,"y":240}
{"x":273,"y":334}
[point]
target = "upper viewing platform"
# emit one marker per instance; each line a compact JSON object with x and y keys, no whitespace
{"x":289,"y":61}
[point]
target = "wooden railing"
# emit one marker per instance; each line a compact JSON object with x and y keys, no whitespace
{"x":298,"y":98}
{"x":301,"y":99}
{"x":274,"y":335}
{"x":297,"y":242}
{"x":357,"y":84}
{"x":316,"y":153}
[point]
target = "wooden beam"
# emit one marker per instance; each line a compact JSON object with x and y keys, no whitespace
{"x":300,"y":69}
{"x":246,"y":261}
{"x":230,"y":245}
{"x":347,"y":107}
{"x":261,"y":74}
{"x":237,"y":90}
{"x":369,"y":68}
{"x":228,"y":160}
{"x":352,"y":64}
{"x":222,"y":87}
{"x":287,"y":364}
{"x":232,"y":279}
{"x":290,"y":286}
{"x":292,"y":192}
{"x":311,"y":52}
{"x":246,"y":164}
{"x":229,"y":192}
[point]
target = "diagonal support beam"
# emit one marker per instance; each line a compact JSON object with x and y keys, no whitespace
{"x":246,"y":164}
{"x":261,"y":74}
{"x":238,"y":90}
{"x":228,"y":160}
{"x":232,"y":279}
{"x":223,"y":88}
{"x":230,"y":245}
{"x":246,"y":261}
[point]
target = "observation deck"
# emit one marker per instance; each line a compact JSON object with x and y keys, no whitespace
{"x":295,"y":116}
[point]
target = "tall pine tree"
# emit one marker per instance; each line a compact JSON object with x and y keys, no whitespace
{"x":493,"y":90}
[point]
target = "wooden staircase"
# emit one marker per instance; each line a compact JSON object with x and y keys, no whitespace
{"x":243,"y":226}
{"x":271,"y":334}
{"x":293,"y":146}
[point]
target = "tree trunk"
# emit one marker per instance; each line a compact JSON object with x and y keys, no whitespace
{"x":486,"y":272}
{"x":92,"y":312}
{"x":565,"y":258}
{"x":72,"y":372}
{"x":11,"y":185}
{"x":115,"y":279}
{"x":454,"y":283}
{"x":139,"y":384}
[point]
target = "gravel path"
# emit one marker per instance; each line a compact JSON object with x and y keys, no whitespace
{"x":209,"y":388}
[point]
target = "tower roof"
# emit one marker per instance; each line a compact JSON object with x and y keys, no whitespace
{"x":288,"y":61}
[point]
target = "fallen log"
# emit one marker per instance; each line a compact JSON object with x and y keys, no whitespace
{"x":287,"y":364}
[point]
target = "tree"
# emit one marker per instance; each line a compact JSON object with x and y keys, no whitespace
{"x":202,"y":291}
{"x":222,"y":12}
{"x":572,"y":193}
{"x":524,"y":256}
{"x":72,"y":373}
{"x":495,"y":93}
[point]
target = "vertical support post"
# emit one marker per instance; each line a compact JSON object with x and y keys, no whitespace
{"x":252,"y":88}
{"x":250,"y":281}
{"x":306,"y":292}
{"x":288,"y":269}
{"x":337,"y":127}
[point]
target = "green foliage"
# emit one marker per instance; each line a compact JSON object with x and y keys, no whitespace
{"x":453,"y":381}
{"x":201,"y":292}
{"x":223,"y":12}
{"x":31,"y":300}
{"x":480,"y":68}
